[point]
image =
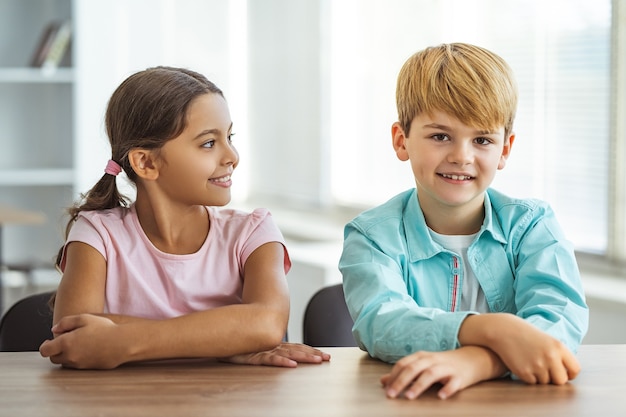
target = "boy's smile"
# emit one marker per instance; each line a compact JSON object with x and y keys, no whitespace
{"x":453,"y":164}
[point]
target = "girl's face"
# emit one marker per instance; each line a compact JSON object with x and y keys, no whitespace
{"x":196,"y":166}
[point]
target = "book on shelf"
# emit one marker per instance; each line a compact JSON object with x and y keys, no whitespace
{"x":53,"y":45}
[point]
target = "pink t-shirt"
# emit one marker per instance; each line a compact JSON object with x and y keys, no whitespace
{"x":142,"y":281}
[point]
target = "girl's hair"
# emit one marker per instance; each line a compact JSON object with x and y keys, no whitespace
{"x":145,"y":111}
{"x":469,"y":82}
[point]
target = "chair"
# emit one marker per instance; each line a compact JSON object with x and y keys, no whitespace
{"x":327,"y":322}
{"x":26,"y":324}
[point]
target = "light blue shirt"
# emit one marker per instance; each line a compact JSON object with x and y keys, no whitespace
{"x":403,"y":289}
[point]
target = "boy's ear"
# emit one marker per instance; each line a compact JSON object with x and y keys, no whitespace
{"x":506,"y":150}
{"x":143,"y":163}
{"x":398,"y":139}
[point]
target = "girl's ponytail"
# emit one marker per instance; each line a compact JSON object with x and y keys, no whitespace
{"x":102,"y":196}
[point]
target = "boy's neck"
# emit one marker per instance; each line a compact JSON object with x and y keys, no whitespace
{"x":450,"y":220}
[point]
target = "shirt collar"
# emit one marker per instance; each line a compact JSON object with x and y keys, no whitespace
{"x":420,"y":244}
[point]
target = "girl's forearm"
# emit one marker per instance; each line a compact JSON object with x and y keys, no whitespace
{"x":122,"y":319}
{"x":220,"y":332}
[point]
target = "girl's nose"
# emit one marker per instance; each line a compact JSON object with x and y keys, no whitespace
{"x":231,"y":156}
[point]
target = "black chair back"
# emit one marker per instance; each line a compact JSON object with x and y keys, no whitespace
{"x":327,"y":322}
{"x":26,"y":325}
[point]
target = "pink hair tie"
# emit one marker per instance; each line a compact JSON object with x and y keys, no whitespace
{"x":113,"y":168}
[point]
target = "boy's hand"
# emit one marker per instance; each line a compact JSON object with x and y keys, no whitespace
{"x":532,"y":355}
{"x":454,"y":369}
{"x":285,"y":355}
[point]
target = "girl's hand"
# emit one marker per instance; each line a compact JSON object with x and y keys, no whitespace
{"x":286,"y":355}
{"x":454,"y":369}
{"x":84,"y":341}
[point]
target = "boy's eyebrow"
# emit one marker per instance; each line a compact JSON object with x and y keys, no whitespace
{"x":447,"y":128}
{"x":487,"y":132}
{"x":437,"y":126}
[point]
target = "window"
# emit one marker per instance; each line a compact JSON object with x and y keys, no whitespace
{"x":560,"y":51}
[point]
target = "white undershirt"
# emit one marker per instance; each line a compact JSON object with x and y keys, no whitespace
{"x":472,"y":295}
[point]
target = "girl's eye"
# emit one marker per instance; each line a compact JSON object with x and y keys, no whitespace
{"x":208,"y":144}
{"x":230,"y":137}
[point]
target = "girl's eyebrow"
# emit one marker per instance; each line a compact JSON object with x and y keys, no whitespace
{"x":206,"y":132}
{"x":211,"y":132}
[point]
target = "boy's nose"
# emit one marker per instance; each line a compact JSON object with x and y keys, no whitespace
{"x":461,"y":153}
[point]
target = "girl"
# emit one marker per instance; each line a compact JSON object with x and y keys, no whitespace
{"x":170,"y":275}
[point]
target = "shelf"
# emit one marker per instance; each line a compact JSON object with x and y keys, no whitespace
{"x":36,"y":177}
{"x":36,"y":75}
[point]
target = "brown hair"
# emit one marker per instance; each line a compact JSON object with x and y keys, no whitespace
{"x":145,"y":111}
{"x":469,"y":82}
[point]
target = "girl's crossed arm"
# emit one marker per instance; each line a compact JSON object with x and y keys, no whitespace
{"x":249,"y":332}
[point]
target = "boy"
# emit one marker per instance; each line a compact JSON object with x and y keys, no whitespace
{"x":454,"y":281}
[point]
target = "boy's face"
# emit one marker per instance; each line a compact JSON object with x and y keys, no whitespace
{"x":453,"y":163}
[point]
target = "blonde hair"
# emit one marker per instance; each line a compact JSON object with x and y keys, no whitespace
{"x":469,"y":82}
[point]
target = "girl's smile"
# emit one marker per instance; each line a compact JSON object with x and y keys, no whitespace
{"x":224,"y":181}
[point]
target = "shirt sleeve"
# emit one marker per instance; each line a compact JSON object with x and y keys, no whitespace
{"x":83,"y":230}
{"x":388,"y":323}
{"x":261,"y":229}
{"x":548,"y":287}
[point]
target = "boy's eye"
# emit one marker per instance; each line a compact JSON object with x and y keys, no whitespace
{"x":483,"y":141}
{"x":439,"y":137}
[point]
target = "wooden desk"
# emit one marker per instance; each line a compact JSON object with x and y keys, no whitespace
{"x":347,"y":386}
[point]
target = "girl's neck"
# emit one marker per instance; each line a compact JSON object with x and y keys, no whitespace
{"x":173,"y":228}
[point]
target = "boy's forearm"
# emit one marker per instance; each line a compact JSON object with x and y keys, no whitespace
{"x":487,"y":330}
{"x":487,"y":362}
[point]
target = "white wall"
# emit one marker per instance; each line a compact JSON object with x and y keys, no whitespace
{"x":288,"y":118}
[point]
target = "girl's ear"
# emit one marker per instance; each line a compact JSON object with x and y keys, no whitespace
{"x":506,"y":151}
{"x":398,"y":139}
{"x":143,"y":163}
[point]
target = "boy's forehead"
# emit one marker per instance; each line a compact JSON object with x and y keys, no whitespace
{"x":441,"y":118}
